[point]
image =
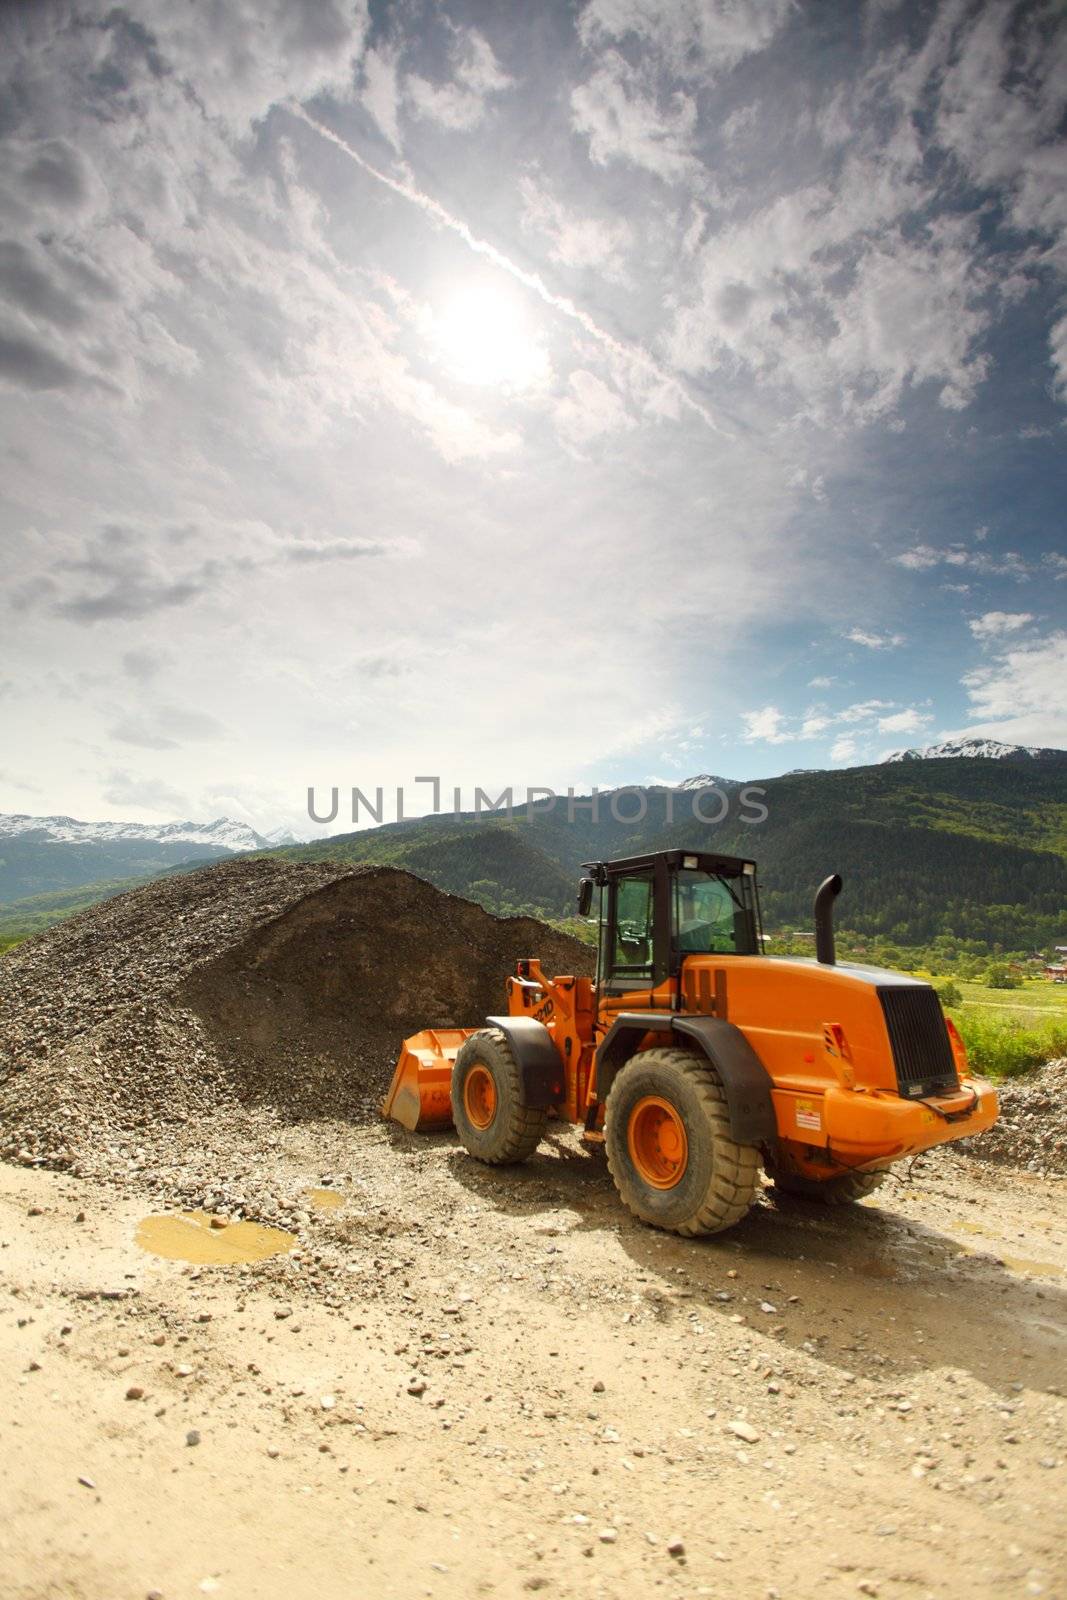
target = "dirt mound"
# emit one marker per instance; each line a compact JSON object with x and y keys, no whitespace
{"x":1032,"y":1129}
{"x":160,"y":1033}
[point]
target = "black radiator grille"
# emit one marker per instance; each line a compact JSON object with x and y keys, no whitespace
{"x":922,"y":1053}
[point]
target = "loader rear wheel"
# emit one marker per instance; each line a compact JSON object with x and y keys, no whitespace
{"x":843,"y":1190}
{"x":488,"y":1107}
{"x":667,"y":1136}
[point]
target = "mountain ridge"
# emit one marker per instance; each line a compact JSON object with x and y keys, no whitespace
{"x":977,"y":750}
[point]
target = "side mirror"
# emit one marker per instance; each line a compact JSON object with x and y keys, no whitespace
{"x":585,"y":896}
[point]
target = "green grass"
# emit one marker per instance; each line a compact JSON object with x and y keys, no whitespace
{"x":1011,"y":1031}
{"x":1003,"y":1046}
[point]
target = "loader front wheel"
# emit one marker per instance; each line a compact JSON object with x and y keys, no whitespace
{"x":667,"y":1136}
{"x":492,"y":1118}
{"x":843,"y":1190}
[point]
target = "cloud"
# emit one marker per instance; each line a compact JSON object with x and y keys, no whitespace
{"x":575,"y":240}
{"x":623,"y":121}
{"x":125,"y":574}
{"x":25,"y":282}
{"x":381,"y":92}
{"x":1018,"y":697}
{"x":143,"y":665}
{"x":28,"y":364}
{"x":875,"y":641}
{"x":821,"y":683}
{"x":909,"y":721}
{"x":924,"y":557}
{"x":589,"y":410}
{"x":461,"y":104}
{"x":55,"y":173}
{"x":764,"y":727}
{"x":697,"y":38}
{"x":123,"y":788}
{"x":166,"y":727}
{"x":995,"y":624}
{"x":844,"y":749}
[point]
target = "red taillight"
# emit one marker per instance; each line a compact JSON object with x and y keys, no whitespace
{"x":959,"y":1049}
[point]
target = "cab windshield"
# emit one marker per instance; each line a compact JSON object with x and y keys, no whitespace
{"x":714,"y":915}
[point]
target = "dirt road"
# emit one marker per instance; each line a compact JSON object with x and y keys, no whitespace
{"x":465,"y":1381}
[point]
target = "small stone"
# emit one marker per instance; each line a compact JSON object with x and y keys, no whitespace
{"x":273,"y":1452}
{"x":135,"y":1392}
{"x":183,"y":1371}
{"x":220,"y":1222}
{"x":608,"y":1535}
{"x":767,"y":1309}
{"x":160,"y":1338}
{"x":865,"y":1586}
{"x":282,"y":1312}
{"x":327,"y":1402}
{"x":745,"y":1431}
{"x":676,"y":1547}
{"x":154,"y":1594}
{"x":598,"y":1387}
{"x":34,"y":1366}
{"x":80,"y":1217}
{"x":193,"y":1436}
{"x":417,"y":1386}
{"x":87,"y":1483}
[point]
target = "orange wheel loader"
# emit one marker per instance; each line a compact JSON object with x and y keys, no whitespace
{"x":697,"y":1060}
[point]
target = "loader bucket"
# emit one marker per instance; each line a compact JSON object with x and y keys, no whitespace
{"x":419,"y":1096}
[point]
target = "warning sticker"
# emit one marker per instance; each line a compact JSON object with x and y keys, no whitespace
{"x":808,"y":1115}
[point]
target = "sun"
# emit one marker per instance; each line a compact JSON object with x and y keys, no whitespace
{"x":484,"y":335}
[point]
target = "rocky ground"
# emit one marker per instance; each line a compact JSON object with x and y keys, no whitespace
{"x":453,"y":1380}
{"x":1032,"y":1129}
{"x":472,"y":1381}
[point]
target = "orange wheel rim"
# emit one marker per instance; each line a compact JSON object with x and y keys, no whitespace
{"x":479,"y":1096}
{"x":657,"y":1143}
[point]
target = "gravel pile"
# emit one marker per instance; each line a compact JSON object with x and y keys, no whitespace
{"x":1032,"y":1129}
{"x":175,"y":1035}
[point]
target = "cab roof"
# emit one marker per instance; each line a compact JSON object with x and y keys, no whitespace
{"x":707,"y":861}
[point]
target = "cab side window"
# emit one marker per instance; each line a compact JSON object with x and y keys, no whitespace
{"x":632,"y":953}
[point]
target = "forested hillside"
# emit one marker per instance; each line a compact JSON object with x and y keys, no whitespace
{"x":975,"y":849}
{"x":972,"y":850}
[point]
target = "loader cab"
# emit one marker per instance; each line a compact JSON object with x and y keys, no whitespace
{"x":657,"y":910}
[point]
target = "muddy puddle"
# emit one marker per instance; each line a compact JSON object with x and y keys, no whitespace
{"x":191,"y":1237}
{"x":324,"y":1199}
{"x":1024,"y":1266}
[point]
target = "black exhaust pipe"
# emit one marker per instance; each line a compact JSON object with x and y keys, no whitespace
{"x":825,"y":895}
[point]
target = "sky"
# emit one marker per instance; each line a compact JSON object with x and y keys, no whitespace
{"x":559,"y":395}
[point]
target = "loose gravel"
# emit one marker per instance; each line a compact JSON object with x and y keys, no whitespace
{"x":175,"y":1035}
{"x":1032,"y":1129}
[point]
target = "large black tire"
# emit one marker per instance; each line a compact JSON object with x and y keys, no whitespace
{"x":718,"y":1178}
{"x":498,"y":1127}
{"x":844,"y":1190}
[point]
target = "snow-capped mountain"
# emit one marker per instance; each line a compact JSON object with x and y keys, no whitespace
{"x":280,"y":836}
{"x":978,"y":749}
{"x":224,"y":833}
{"x":705,"y":780}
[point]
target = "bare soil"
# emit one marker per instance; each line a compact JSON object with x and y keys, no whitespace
{"x":464,"y":1380}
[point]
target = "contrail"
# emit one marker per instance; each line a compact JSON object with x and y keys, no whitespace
{"x":629,"y":354}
